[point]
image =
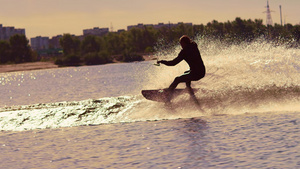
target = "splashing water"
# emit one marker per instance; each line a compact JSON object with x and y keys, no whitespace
{"x":256,"y":76}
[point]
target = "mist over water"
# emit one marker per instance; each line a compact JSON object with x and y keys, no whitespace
{"x":252,"y":77}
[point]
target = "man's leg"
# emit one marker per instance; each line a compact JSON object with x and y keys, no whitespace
{"x":183,"y":78}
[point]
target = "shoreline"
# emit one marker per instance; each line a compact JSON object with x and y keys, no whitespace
{"x":40,"y":65}
{"x":27,"y":66}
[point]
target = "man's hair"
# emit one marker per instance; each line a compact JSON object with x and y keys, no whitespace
{"x":185,"y":39}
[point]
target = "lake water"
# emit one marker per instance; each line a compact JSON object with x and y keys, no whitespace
{"x":95,"y":116}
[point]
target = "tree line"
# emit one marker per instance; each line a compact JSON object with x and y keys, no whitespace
{"x":125,"y":46}
{"x":130,"y":45}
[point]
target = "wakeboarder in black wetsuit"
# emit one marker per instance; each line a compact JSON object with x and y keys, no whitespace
{"x":191,"y":54}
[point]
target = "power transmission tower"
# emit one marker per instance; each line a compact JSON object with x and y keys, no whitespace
{"x":269,"y":18}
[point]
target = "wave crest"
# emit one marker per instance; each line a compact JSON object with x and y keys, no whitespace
{"x":64,"y":114}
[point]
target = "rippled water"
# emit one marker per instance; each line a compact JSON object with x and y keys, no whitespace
{"x":95,"y":117}
{"x":70,"y":84}
{"x":263,"y":140}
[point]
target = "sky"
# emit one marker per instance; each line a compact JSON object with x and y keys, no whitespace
{"x":56,"y":17}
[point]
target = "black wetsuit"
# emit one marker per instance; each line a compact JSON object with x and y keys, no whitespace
{"x":191,"y":55}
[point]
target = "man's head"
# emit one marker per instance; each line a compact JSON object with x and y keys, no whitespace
{"x":184,"y":41}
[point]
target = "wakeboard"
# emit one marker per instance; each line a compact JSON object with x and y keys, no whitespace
{"x":162,"y":95}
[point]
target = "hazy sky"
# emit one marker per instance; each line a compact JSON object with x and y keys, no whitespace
{"x":54,"y":17}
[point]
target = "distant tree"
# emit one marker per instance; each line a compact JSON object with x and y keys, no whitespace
{"x":115,"y":42}
{"x":90,"y":45}
{"x":69,"y":60}
{"x":20,"y":49}
{"x":150,"y":38}
{"x":70,"y":44}
{"x":97,"y":58}
{"x":130,"y":57}
{"x":259,"y":28}
{"x":135,"y":40}
{"x":182,"y":29}
{"x":215,"y":29}
{"x":4,"y":51}
{"x":296,"y":33}
{"x":198,"y":29}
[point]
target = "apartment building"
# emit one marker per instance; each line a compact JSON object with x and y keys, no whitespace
{"x":95,"y":31}
{"x":39,"y":42}
{"x":54,"y":42}
{"x":157,"y":26}
{"x":7,"y":32}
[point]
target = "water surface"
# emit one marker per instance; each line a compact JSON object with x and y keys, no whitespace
{"x":95,"y":116}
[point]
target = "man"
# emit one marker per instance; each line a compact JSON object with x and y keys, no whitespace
{"x":191,"y":54}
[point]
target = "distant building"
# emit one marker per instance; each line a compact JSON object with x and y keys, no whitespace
{"x":121,"y":30}
{"x":39,"y":42}
{"x":46,"y":47}
{"x":95,"y":31}
{"x":158,"y":26}
{"x":7,"y":32}
{"x":140,"y":25}
{"x":54,"y":42}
